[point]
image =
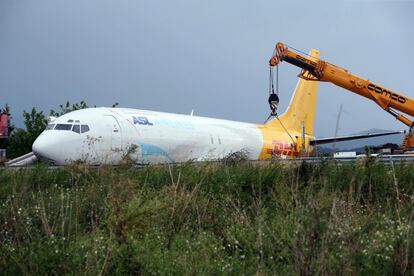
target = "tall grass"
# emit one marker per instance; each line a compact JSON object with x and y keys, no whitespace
{"x":209,"y":219}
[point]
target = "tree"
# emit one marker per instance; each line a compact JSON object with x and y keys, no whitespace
{"x":68,"y":108}
{"x":72,"y":107}
{"x":21,"y":140}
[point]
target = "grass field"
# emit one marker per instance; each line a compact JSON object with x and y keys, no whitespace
{"x":208,"y":219}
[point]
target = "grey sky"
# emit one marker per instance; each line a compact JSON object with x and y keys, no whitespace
{"x":210,"y":56}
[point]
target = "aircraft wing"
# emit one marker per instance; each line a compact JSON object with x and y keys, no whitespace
{"x":327,"y":140}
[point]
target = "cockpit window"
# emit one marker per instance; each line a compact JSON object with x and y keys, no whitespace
{"x":76,"y":128}
{"x":70,"y":121}
{"x":84,"y":128}
{"x":63,"y":127}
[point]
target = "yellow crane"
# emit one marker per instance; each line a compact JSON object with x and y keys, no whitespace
{"x":387,"y":99}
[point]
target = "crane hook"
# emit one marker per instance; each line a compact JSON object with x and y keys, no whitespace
{"x":273,"y":103}
{"x":273,"y":97}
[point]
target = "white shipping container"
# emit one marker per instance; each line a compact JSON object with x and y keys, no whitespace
{"x":345,"y":154}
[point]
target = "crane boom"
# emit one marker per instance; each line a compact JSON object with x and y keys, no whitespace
{"x":323,"y":71}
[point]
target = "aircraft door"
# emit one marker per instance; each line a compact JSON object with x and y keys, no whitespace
{"x":115,"y":133}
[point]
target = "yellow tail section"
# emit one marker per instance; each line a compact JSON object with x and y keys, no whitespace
{"x":301,"y":108}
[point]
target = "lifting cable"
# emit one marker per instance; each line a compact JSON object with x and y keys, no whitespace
{"x":274,"y":99}
{"x":291,"y":138}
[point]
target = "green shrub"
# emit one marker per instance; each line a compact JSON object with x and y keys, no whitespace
{"x":208,"y":218}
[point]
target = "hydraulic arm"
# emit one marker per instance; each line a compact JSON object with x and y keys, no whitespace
{"x":387,"y":99}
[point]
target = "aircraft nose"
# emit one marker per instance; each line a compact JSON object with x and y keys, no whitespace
{"x":45,"y":148}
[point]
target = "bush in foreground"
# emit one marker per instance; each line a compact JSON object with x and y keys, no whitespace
{"x":208,"y":219}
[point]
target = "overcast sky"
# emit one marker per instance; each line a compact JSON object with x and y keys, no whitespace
{"x":210,"y":56}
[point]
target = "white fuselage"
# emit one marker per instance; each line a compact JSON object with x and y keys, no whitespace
{"x":116,"y":135}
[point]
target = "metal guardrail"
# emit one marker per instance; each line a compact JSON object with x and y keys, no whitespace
{"x":27,"y":160}
{"x":386,"y":159}
{"x":22,"y":161}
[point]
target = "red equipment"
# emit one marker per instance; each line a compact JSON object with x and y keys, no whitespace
{"x":3,"y":126}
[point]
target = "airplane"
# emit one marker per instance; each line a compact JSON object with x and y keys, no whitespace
{"x":115,"y":135}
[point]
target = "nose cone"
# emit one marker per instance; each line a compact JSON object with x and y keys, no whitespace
{"x":45,"y":148}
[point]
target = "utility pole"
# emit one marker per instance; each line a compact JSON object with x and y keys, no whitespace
{"x":337,"y":126}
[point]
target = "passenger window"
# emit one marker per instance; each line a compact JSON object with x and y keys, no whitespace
{"x":84,"y":128}
{"x":50,"y":126}
{"x":76,"y":128}
{"x":63,"y":127}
